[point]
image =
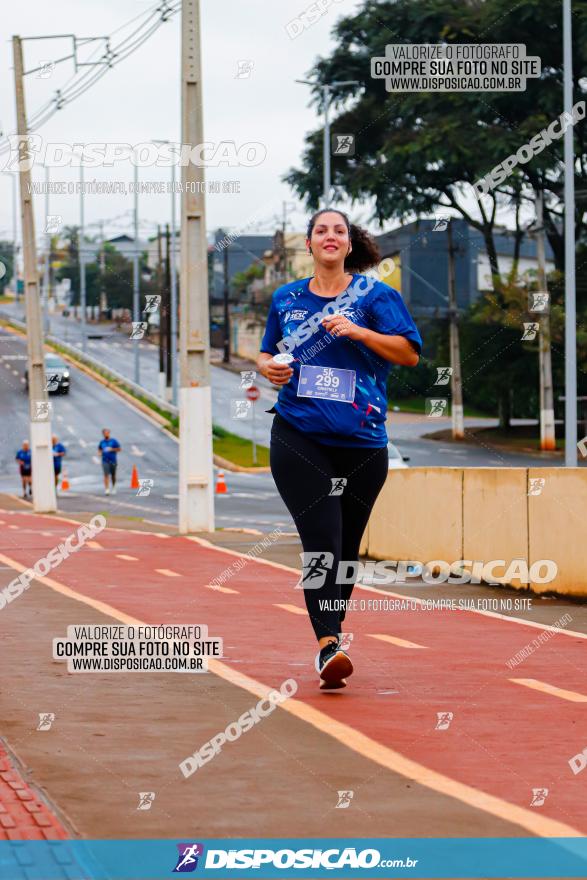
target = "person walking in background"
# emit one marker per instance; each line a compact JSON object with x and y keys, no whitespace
{"x":59,"y":452}
{"x":109,"y":447}
{"x":24,"y":459}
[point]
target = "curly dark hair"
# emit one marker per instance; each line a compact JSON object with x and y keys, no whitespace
{"x":364,"y":253}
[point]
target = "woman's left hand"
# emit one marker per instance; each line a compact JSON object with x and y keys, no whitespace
{"x":339,"y":325}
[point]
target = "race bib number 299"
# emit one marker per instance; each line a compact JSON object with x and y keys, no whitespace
{"x":327,"y":383}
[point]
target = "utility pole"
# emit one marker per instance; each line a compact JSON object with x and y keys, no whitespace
{"x":458,"y":425}
{"x":166,"y":295}
{"x":135,"y":276}
{"x":547,"y":430}
{"x":569,"y":232}
{"x":103,"y":297}
{"x":196,"y":499}
{"x":43,"y":480}
{"x":161,"y":383}
{"x":15,"y":234}
{"x":82,"y":257}
{"x":226,"y":294}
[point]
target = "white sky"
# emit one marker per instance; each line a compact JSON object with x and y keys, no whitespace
{"x":139,"y":100}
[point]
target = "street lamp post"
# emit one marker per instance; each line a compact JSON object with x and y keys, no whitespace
{"x":47,"y":265}
{"x":570,"y":296}
{"x":173,"y":303}
{"x":326,"y":89}
{"x":82,"y":258}
{"x":135,"y":276}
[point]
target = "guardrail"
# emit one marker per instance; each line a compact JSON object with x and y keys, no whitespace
{"x":87,"y":359}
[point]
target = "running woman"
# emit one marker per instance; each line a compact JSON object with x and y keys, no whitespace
{"x":328,"y":450}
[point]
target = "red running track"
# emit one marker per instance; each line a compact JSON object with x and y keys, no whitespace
{"x":504,"y":739}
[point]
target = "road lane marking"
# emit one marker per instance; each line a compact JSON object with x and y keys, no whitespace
{"x":127,"y":558}
{"x":350,"y":738}
{"x":167,"y":572}
{"x":82,"y":442}
{"x":94,"y":545}
{"x":70,"y":429}
{"x":571,"y":696}
{"x":393,"y":640}
{"x":520,"y":620}
{"x":291,"y":608}
{"x":220,"y":589}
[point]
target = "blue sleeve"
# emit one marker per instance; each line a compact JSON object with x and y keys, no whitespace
{"x":272,"y":334}
{"x":388,"y":314}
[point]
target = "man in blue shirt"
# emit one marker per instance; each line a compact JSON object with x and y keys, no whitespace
{"x":59,"y":451}
{"x":24,"y":458}
{"x":109,"y":447}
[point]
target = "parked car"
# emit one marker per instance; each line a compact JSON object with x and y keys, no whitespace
{"x":56,"y":373}
{"x":396,"y":459}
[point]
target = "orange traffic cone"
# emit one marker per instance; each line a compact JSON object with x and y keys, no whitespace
{"x":64,"y":481}
{"x":134,"y":480}
{"x":220,"y":484}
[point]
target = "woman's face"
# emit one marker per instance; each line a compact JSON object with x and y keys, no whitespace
{"x":330,"y":239}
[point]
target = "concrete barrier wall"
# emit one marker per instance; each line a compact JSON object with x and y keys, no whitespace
{"x":557,"y":526}
{"x":483,"y":514}
{"x":495,"y":516}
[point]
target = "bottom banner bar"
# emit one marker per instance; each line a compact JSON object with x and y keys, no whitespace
{"x":284,"y":858}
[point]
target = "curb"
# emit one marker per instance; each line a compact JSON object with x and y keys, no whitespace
{"x":230,"y":466}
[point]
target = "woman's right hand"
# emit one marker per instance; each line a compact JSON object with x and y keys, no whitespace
{"x":278,"y":374}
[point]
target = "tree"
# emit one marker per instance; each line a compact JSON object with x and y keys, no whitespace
{"x":420,"y":151}
{"x":6,"y":264}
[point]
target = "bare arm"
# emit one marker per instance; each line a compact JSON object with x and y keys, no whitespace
{"x":396,"y":349}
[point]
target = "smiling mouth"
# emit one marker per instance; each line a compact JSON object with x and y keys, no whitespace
{"x":330,"y":247}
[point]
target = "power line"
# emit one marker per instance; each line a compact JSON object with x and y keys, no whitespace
{"x":77,"y":85}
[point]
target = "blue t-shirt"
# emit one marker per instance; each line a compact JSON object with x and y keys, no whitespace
{"x":57,"y":459}
{"x":367,"y":303}
{"x":105,"y":445}
{"x":24,"y":456}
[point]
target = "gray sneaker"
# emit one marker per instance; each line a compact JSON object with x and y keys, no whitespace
{"x":333,"y":666}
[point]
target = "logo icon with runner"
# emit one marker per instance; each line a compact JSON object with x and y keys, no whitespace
{"x":187,"y":861}
{"x":539,"y":795}
{"x":343,"y":145}
{"x":46,"y":719}
{"x":315,"y":566}
{"x":444,"y":719}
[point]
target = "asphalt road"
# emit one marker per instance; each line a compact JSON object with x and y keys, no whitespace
{"x":252,"y":500}
{"x":115,"y":350}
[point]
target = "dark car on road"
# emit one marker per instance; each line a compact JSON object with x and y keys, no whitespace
{"x":56,"y":373}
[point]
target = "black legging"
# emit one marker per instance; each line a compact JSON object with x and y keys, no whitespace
{"x":303,"y":470}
